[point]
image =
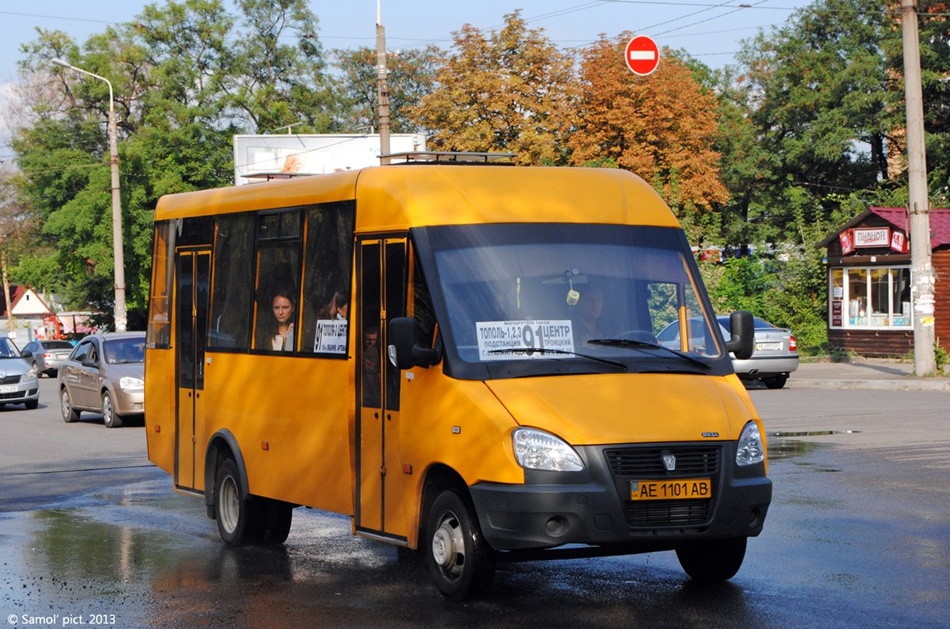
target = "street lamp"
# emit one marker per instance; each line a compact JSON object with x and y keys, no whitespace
{"x":120,"y":313}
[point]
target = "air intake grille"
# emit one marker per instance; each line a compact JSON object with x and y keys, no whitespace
{"x":643,"y":463}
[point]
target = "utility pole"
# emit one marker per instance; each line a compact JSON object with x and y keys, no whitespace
{"x":918,"y":202}
{"x":382,"y":85}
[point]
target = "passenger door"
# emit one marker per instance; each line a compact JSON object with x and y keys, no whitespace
{"x":193,"y":282}
{"x":382,"y":296}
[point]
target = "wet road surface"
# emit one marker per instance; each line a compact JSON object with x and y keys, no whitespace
{"x":858,"y":535}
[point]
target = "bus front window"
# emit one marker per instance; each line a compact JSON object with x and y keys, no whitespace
{"x":559,"y":292}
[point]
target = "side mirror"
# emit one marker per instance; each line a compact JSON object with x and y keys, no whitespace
{"x":405,"y":345}
{"x":742,"y":327}
{"x":26,"y":354}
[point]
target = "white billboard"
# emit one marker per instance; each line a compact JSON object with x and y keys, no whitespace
{"x":261,"y":157}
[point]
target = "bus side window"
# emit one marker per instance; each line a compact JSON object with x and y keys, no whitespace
{"x":229,"y":327}
{"x":278,"y":281}
{"x":328,"y":266}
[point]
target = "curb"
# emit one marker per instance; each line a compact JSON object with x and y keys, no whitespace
{"x":910,"y":384}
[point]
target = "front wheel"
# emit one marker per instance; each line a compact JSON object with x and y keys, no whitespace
{"x":70,"y":414}
{"x":461,"y":562}
{"x":109,"y":417}
{"x":713,"y":560}
{"x":233,"y":510}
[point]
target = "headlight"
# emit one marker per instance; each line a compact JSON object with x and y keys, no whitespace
{"x":29,"y":375}
{"x":751,"y":450}
{"x":539,"y":450}
{"x":129,"y":383}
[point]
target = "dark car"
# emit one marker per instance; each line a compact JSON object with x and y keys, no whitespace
{"x":46,"y":356}
{"x":105,"y":373}
{"x":18,"y":379}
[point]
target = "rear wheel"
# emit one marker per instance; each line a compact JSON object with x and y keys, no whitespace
{"x":775,"y":382}
{"x":713,"y":560}
{"x":109,"y":417}
{"x":69,"y":413}
{"x":275,"y":520}
{"x":461,"y":562}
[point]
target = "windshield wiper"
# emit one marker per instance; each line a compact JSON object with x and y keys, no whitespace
{"x":541,"y":350}
{"x":644,"y":345}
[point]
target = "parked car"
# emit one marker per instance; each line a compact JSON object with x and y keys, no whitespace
{"x":774,"y":358}
{"x":105,"y":373}
{"x":18,"y":379}
{"x":46,"y":356}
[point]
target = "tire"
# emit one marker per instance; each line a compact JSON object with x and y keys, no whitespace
{"x":275,"y":520}
{"x":775,"y":382}
{"x":32,"y":405}
{"x":714,"y":560}
{"x":460,"y":561}
{"x":70,"y":414}
{"x":109,"y":416}
{"x":237,"y":516}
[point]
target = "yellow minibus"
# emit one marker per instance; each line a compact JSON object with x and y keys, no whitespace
{"x":461,"y":357}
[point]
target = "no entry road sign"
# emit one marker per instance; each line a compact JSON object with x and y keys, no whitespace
{"x":642,"y":55}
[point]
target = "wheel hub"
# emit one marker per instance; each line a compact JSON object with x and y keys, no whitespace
{"x":448,"y":547}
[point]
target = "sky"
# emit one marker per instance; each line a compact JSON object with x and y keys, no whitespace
{"x":708,"y":30}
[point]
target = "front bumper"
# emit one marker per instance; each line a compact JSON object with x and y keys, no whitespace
{"x":130,"y":402}
{"x":20,"y":392}
{"x":593,"y":507}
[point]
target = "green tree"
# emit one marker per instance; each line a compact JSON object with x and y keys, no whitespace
{"x":824,"y":102}
{"x":411,"y":77}
{"x":505,"y":92}
{"x":187,"y":77}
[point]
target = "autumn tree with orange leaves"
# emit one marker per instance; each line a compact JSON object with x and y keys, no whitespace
{"x":505,"y":92}
{"x":661,"y":127}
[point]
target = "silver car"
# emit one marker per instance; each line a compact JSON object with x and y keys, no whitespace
{"x":104,"y":374}
{"x":775,"y":355}
{"x":46,"y":356}
{"x":774,"y":358}
{"x":18,"y":381}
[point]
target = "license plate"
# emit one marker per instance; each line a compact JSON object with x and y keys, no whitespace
{"x":683,"y":489}
{"x":768,"y":346}
{"x":7,"y":389}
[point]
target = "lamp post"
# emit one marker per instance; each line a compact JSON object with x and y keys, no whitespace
{"x":120,"y":313}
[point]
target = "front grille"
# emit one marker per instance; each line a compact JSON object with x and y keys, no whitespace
{"x":643,"y":463}
{"x":10,"y":380}
{"x":627,"y":464}
{"x":16,"y":395}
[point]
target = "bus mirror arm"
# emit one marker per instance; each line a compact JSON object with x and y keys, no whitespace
{"x":405,"y":347}
{"x":742,"y":327}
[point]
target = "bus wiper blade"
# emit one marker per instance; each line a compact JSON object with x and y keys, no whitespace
{"x":541,"y":350}
{"x":644,"y":345}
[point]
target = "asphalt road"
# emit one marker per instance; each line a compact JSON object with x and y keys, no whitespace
{"x":858,"y":535}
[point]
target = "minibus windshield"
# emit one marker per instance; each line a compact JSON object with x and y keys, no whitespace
{"x":530,"y":299}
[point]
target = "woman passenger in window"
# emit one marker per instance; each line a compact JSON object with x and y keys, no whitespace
{"x":280,"y":335}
